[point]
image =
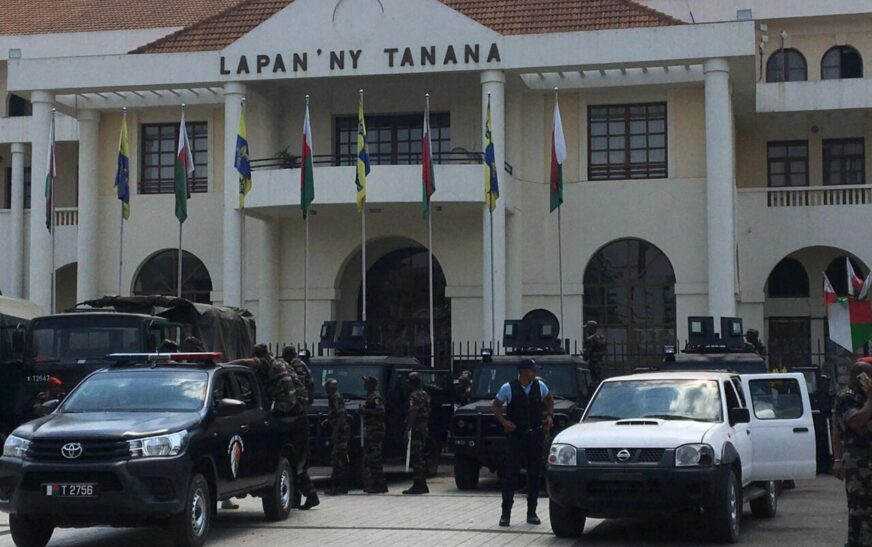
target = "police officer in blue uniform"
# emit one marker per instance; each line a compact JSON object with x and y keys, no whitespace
{"x":529,"y":414}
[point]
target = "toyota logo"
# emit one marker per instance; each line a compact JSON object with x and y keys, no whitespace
{"x":71,"y":451}
{"x":623,"y":456}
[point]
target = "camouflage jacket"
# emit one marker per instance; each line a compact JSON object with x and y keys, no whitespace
{"x":419,"y":403}
{"x":278,"y":378}
{"x":336,"y":416}
{"x":305,"y":375}
{"x":848,"y":403}
{"x":374,"y":412}
{"x":594,"y":348}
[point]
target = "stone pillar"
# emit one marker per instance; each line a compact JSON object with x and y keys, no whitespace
{"x":86,"y":251}
{"x":16,"y":258}
{"x":494,"y":312}
{"x":720,"y":189}
{"x":233,"y":94}
{"x":40,"y":237}
{"x":268,"y":323}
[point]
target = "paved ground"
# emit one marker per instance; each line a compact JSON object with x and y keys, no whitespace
{"x":813,"y":514}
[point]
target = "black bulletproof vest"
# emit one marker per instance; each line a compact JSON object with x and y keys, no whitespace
{"x":525,"y":410}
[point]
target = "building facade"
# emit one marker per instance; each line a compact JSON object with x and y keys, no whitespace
{"x":716,"y":163}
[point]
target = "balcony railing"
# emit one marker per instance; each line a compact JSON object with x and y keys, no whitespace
{"x":289,"y":161}
{"x":66,"y":216}
{"x":815,"y":196}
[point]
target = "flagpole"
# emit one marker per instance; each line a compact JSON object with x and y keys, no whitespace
{"x":242,"y":244}
{"x":52,"y":169}
{"x":430,"y":253}
{"x":179,"y":265}
{"x":363,"y":240}
{"x":306,"y":246}
{"x":559,"y":230}
{"x":491,"y":237}
{"x":121,"y":238}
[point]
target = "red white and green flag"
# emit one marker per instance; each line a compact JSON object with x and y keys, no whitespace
{"x":857,"y":287}
{"x":558,"y":158}
{"x":184,"y":172}
{"x":428,"y":176}
{"x":849,"y":320}
{"x":307,"y":168}
{"x":50,"y":177}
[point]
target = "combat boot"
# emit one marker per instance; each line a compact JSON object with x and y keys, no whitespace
{"x":506,"y":517}
{"x":418,"y":487}
{"x":311,"y":501}
{"x":532,"y":518}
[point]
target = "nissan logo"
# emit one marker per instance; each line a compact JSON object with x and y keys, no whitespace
{"x":71,"y":451}
{"x":623,"y":455}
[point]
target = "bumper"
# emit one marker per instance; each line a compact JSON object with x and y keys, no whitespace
{"x":129,"y":492}
{"x":624,"y":491}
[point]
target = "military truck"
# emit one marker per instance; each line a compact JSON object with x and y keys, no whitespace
{"x":707,"y":350}
{"x":476,"y":436}
{"x":351,"y":360}
{"x":15,"y":316}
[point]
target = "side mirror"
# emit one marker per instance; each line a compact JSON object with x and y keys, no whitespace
{"x":48,"y":407}
{"x":229,"y":407}
{"x":739,"y":416}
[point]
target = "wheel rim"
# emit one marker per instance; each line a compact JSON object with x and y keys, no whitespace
{"x":773,"y":498}
{"x":734,"y":513}
{"x":199,"y":512}
{"x":285,"y":489}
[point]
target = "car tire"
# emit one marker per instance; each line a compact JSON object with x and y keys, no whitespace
{"x":191,"y":526}
{"x":766,"y":506}
{"x":278,"y":498}
{"x":30,"y":532}
{"x":466,"y":473}
{"x":725,"y":514}
{"x":566,"y":522}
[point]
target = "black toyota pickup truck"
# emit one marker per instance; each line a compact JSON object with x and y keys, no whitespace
{"x":147,"y":442}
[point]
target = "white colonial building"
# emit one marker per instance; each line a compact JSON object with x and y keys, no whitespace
{"x":716,"y":160}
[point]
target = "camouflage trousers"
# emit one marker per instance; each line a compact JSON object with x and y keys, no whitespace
{"x":300,"y":439}
{"x":339,"y":457}
{"x":858,"y":486}
{"x":373,"y":458}
{"x":418,"y":456}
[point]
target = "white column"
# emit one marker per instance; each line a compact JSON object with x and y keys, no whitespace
{"x":16,"y":258}
{"x":268,"y":330}
{"x":86,"y":252}
{"x":494,"y":82}
{"x":40,"y":238}
{"x":720,"y":189}
{"x":233,"y":93}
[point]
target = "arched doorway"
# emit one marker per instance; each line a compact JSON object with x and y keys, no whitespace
{"x":629,"y":289}
{"x":398,"y":303}
{"x":158,"y":275}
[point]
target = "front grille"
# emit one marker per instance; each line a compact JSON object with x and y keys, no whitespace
{"x":637,"y":455}
{"x":92,"y":450}
{"x":33,"y":481}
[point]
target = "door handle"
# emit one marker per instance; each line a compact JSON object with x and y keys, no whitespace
{"x":800,"y":430}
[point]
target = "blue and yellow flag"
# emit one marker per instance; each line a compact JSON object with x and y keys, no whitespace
{"x":122,"y":174}
{"x":363,"y":166}
{"x":242,"y":162}
{"x":491,"y":179}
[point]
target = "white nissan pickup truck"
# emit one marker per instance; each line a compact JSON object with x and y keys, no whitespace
{"x":663,"y":442}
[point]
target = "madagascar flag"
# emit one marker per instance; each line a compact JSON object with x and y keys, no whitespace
{"x":184,"y":172}
{"x":558,"y":158}
{"x":122,"y":173}
{"x":307,"y":169}
{"x":428,"y":177}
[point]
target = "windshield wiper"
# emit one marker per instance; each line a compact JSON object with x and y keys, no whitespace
{"x":674,"y":417}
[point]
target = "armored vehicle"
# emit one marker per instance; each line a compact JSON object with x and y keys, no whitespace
{"x":15,"y":316}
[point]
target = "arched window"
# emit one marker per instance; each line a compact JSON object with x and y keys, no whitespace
{"x":398,"y":303}
{"x":629,"y":289}
{"x":18,"y":106}
{"x":158,"y":275}
{"x":786,"y":65}
{"x":841,"y":62}
{"x":837,"y":273}
{"x":788,"y":280}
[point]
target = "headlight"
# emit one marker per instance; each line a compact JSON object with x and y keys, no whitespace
{"x":562,"y":454}
{"x":694,"y":454}
{"x":162,"y":445}
{"x":15,"y":447}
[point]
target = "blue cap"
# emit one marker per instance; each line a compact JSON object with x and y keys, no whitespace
{"x":528,"y":363}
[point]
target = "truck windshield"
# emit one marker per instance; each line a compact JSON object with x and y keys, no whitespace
{"x":349,"y":378}
{"x":488,"y":378}
{"x":72,"y":339}
{"x":153,"y":391}
{"x":697,"y":400}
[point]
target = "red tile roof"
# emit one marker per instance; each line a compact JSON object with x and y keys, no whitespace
{"x":503,"y":16}
{"x":55,"y":16}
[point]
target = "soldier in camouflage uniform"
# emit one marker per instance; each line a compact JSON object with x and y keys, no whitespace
{"x":853,"y":412}
{"x":300,"y":427}
{"x":594,"y":350}
{"x":417,"y":433}
{"x":341,"y":433}
{"x":373,"y":411}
